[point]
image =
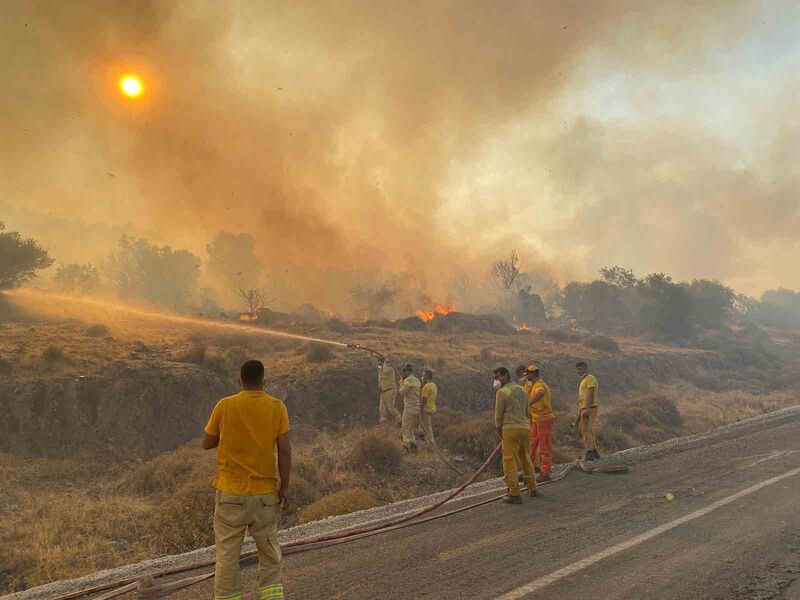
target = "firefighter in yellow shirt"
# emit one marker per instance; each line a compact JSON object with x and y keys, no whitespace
{"x":542,"y":418}
{"x":512,"y":417}
{"x":587,"y":404}
{"x":245,"y":429}
{"x":428,"y":394}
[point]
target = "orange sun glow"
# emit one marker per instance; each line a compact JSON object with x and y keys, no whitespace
{"x":131,"y":85}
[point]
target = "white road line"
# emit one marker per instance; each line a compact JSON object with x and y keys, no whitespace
{"x":541,"y":582}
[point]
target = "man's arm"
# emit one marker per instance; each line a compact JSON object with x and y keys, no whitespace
{"x":210,"y":441}
{"x":284,"y":466}
{"x":499,"y":409}
{"x":536,"y":397}
{"x":590,"y":397}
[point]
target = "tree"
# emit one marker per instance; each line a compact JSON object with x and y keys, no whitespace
{"x":253,"y":297}
{"x":142,"y":271}
{"x":20,"y":258}
{"x":779,"y":308}
{"x":229,"y":255}
{"x":74,"y":278}
{"x":712,"y":303}
{"x":507,"y":272}
{"x":373,"y":300}
{"x":619,"y":276}
{"x":667,"y":306}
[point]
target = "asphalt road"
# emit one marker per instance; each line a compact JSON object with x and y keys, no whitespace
{"x":597,"y":536}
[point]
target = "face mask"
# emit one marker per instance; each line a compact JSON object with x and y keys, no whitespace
{"x":496,"y":384}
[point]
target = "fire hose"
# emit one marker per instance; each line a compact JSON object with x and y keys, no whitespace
{"x":146,"y":588}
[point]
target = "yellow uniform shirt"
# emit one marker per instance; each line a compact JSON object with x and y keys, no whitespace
{"x":428,"y":393}
{"x":527,"y":384}
{"x":511,"y":408}
{"x":248,"y":426}
{"x":543,"y":409}
{"x":587,"y":383}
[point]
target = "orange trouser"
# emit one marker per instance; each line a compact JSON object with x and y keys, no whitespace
{"x":542,"y":440}
{"x":516,"y":453}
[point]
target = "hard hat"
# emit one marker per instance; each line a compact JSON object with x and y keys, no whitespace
{"x":531,"y":369}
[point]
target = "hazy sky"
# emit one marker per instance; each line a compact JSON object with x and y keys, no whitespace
{"x":422,"y":138}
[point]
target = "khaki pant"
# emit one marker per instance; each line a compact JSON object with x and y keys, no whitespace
{"x":232,"y":516}
{"x":516,"y":454}
{"x":427,"y":426}
{"x":586,"y":428}
{"x":386,"y":405}
{"x":411,"y":416}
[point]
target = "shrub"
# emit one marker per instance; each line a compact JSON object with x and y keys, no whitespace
{"x":217,"y":362}
{"x":613,"y":439}
{"x":319,"y":353}
{"x":301,"y":493}
{"x":476,"y":437}
{"x":377,"y":451}
{"x":194,"y":354}
{"x":601,"y":342}
{"x":641,"y":417}
{"x":339,"y":503}
{"x":167,"y":472}
{"x":97,"y":331}
{"x":559,"y":335}
{"x":338,"y":326}
{"x":54,"y":354}
{"x":486,"y":356}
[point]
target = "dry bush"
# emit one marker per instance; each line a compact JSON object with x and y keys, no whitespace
{"x":319,"y":353}
{"x":59,"y":536}
{"x":560,"y":335}
{"x":601,"y":342}
{"x":237,"y":356}
{"x":612,"y":440}
{"x":486,"y":356}
{"x":193,"y":354}
{"x":167,"y":472}
{"x":446,"y":417}
{"x":565,"y":432}
{"x":641,"y":418}
{"x":97,"y":331}
{"x":54,"y":354}
{"x":440,"y":363}
{"x":339,"y":503}
{"x":184,"y":520}
{"x":476,"y":437}
{"x":301,"y":493}
{"x":338,"y":326}
{"x":377,"y":451}
{"x":215,"y":361}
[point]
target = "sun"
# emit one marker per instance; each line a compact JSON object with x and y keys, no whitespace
{"x":131,"y":85}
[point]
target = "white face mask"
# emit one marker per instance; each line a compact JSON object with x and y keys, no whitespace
{"x":497,"y":385}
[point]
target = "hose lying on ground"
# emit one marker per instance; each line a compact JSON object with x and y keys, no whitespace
{"x":146,"y":588}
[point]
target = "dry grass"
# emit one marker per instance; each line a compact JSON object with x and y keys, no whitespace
{"x":339,"y":503}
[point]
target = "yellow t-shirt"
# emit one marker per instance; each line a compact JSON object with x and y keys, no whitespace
{"x":587,"y":383}
{"x":428,"y":393}
{"x":543,"y":409}
{"x":248,"y":426}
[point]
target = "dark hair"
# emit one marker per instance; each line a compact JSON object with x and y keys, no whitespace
{"x":408,"y":367}
{"x":581,"y":363}
{"x":520,"y":369}
{"x":427,"y":373}
{"x":534,"y":373}
{"x":252,"y":372}
{"x":501,"y":372}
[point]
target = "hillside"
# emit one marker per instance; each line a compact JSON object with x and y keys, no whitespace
{"x":100,"y":407}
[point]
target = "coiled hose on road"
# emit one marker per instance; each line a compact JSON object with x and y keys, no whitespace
{"x":147,"y":588}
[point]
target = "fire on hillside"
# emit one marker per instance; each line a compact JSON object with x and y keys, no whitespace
{"x":438,"y":309}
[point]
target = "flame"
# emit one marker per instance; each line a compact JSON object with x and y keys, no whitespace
{"x":248,"y":317}
{"x":438,"y":309}
{"x":524,"y":327}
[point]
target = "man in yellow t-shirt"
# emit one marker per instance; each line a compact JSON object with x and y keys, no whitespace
{"x":245,"y":429}
{"x":428,"y":394}
{"x":542,"y":418}
{"x":587,"y":404}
